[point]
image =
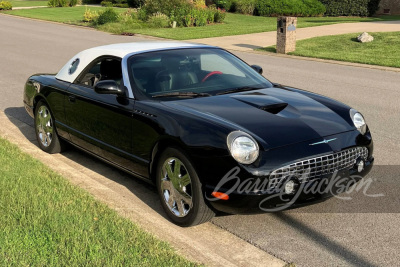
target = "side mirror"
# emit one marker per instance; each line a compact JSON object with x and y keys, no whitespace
{"x":109,"y":87}
{"x":257,"y":68}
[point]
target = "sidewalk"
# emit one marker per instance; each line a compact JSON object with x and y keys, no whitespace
{"x":248,"y":42}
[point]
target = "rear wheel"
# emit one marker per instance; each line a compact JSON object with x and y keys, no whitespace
{"x":180,"y":190}
{"x":45,"y":130}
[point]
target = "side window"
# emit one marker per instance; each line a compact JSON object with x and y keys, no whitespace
{"x":208,"y":64}
{"x":104,"y":69}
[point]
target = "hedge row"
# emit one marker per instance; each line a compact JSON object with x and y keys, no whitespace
{"x":302,"y":8}
{"x":351,"y":7}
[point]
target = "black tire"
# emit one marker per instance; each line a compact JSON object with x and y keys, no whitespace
{"x":199,"y":212}
{"x":53,"y":143}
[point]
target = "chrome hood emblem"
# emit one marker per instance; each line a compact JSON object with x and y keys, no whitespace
{"x":323,"y":142}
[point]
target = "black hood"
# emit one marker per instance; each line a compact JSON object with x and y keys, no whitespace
{"x":278,"y":116}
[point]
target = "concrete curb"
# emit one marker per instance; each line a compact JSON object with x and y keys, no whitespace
{"x":206,"y":244}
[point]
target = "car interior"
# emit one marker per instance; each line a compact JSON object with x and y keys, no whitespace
{"x":105,"y":69}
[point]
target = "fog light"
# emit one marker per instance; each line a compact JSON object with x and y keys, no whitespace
{"x":290,"y":187}
{"x":360,"y":166}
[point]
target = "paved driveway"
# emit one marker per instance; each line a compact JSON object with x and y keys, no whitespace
{"x":367,"y":234}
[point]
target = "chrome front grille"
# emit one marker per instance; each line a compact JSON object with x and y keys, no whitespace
{"x":318,"y":166}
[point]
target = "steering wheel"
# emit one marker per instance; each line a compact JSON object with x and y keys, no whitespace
{"x":211,"y":74}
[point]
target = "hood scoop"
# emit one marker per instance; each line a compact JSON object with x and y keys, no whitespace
{"x":264,"y":102}
{"x":274,"y":108}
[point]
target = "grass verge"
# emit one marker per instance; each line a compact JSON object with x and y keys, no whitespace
{"x":46,"y":221}
{"x":383,"y":51}
{"x":234,"y":24}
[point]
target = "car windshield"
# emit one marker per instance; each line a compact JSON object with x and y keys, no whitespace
{"x":193,"y":72}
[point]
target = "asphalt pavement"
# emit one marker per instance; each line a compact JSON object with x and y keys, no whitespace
{"x":320,"y":235}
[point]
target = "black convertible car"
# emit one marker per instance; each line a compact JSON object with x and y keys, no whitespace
{"x":209,"y":130}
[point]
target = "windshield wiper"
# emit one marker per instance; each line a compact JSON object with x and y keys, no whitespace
{"x":182,"y":94}
{"x":239,"y":89}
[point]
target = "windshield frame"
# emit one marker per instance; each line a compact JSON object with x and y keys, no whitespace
{"x":140,"y":95}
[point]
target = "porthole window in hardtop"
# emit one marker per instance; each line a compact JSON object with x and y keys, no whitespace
{"x":74,"y":66}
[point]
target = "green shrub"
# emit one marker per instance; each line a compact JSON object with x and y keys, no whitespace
{"x":57,"y":3}
{"x":123,"y":5}
{"x":107,"y":16}
{"x":246,"y":6}
{"x":62,"y":3}
{"x":183,"y":12}
{"x":210,"y":14}
{"x":142,"y":14}
{"x":90,"y":16}
{"x":159,"y":20}
{"x":199,"y":3}
{"x":136,"y":3}
{"x":200,"y":16}
{"x":115,"y":3}
{"x":300,"y":8}
{"x":106,"y":3}
{"x":91,"y":2}
{"x":130,"y":16}
{"x":165,"y":6}
{"x":351,"y":7}
{"x":228,"y":5}
{"x":219,"y":16}
{"x":373,"y":7}
{"x":5,"y":5}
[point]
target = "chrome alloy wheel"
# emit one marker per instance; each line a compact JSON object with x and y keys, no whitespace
{"x":44,"y":126}
{"x":176,"y":186}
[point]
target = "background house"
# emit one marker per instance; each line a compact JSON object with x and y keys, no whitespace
{"x":389,"y":7}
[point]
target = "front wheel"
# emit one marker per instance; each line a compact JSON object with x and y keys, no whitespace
{"x":180,"y":190}
{"x":45,"y":130}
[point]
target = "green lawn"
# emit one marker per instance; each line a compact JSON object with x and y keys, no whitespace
{"x":234,"y":23}
{"x":27,"y":3}
{"x":46,"y":221}
{"x":383,"y":51}
{"x":69,"y":15}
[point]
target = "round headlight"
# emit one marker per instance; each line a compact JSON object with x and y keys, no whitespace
{"x":244,"y":149}
{"x":358,"y":121}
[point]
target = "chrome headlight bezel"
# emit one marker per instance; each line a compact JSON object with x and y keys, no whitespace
{"x":236,"y":142}
{"x":358,"y":121}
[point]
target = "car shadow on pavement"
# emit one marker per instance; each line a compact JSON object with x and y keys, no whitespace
{"x":88,"y":164}
{"x":319,"y":238}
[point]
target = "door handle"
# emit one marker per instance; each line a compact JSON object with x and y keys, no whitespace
{"x":71,"y":98}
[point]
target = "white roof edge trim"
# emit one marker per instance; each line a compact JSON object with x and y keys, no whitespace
{"x":117,"y":50}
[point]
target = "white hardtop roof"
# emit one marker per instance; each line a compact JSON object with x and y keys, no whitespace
{"x":118,"y":50}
